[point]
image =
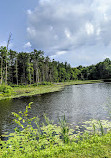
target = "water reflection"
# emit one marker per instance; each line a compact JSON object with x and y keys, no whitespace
{"x":78,"y":103}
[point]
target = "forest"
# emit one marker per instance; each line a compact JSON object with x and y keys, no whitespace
{"x":34,"y":67}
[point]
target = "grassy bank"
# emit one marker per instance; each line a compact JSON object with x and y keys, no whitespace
{"x":79,"y":82}
{"x":54,"y":141}
{"x":30,"y":90}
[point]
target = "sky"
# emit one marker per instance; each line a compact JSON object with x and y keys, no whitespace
{"x":76,"y":31}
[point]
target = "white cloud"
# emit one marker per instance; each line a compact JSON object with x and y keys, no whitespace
{"x":11,"y":45}
{"x":4,"y":44}
{"x":29,"y":12}
{"x":98,"y":31}
{"x":103,"y":5}
{"x":42,"y":2}
{"x":51,"y":28}
{"x":89,"y":28}
{"x":55,"y":26}
{"x":61,"y":52}
{"x":106,"y":17}
{"x":31,"y":32}
{"x":58,"y":53}
{"x":67,"y":33}
{"x":27,"y":45}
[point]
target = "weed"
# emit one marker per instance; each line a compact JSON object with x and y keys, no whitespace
{"x":50,"y":140}
{"x":64,"y":129}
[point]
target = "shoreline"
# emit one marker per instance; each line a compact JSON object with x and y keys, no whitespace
{"x":30,"y":90}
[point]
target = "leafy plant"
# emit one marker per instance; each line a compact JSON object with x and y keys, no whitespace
{"x":101,"y":127}
{"x":22,"y":118}
{"x":6,"y":90}
{"x":50,"y":140}
{"x":64,"y":129}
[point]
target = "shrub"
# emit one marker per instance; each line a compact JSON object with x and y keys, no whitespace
{"x":6,"y":90}
{"x":42,"y":83}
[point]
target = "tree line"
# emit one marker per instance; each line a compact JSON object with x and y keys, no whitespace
{"x":101,"y":70}
{"x":34,"y":67}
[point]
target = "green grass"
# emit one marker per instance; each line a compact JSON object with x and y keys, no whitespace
{"x":30,"y":90}
{"x":54,"y":141}
{"x":79,"y":82}
{"x":47,"y":146}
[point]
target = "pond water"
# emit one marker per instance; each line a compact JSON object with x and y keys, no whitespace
{"x":78,"y":102}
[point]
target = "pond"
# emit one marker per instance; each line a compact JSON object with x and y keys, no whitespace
{"x":78,"y":102}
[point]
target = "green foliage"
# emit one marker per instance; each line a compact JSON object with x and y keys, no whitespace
{"x":22,"y":118}
{"x":45,"y":83}
{"x":97,"y":127}
{"x":51,"y":140}
{"x":34,"y":68}
{"x":42,"y":83}
{"x":6,"y":90}
{"x":64,"y":130}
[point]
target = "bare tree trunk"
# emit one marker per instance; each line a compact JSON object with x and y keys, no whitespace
{"x":6,"y":73}
{"x":29,"y":76}
{"x":16,"y":72}
{"x":6,"y":57}
{"x":36,"y":75}
{"x":1,"y":70}
{"x":46,"y":73}
{"x":50,"y":75}
{"x":43,"y":73}
{"x":24,"y":76}
{"x":29,"y":72}
{"x":33,"y":77}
